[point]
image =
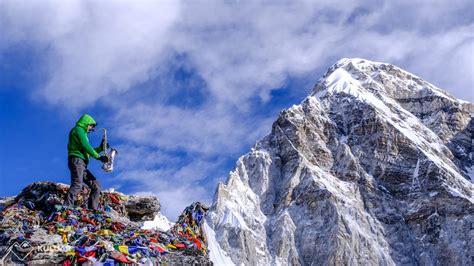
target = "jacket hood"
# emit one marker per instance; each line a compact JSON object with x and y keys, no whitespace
{"x":86,"y":120}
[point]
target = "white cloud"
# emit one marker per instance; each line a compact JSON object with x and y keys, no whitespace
{"x":176,"y":187}
{"x":100,"y":51}
{"x":240,"y":49}
{"x":208,"y":131}
{"x":94,"y":47}
{"x":175,"y":199}
{"x":246,"y":51}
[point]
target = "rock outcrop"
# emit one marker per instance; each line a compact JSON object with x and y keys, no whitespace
{"x":373,"y":168}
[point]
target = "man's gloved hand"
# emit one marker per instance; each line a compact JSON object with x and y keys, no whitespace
{"x":102,"y":144}
{"x":103,"y":159}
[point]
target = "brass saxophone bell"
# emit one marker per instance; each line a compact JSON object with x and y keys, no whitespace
{"x":109,"y":166}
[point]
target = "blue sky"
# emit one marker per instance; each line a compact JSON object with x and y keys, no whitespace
{"x":187,"y":87}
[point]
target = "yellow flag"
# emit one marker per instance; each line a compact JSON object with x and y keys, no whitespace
{"x":123,"y":249}
{"x":170,"y":246}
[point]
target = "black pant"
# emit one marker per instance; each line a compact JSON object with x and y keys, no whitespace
{"x":80,"y":175}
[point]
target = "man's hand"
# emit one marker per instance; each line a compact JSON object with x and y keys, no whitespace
{"x":102,"y":144}
{"x":103,"y":159}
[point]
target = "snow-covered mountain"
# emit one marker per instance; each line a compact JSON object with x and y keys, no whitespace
{"x":373,"y":168}
{"x":160,"y":222}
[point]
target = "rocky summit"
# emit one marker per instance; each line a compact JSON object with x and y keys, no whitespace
{"x":374,"y":167}
{"x":37,"y":229}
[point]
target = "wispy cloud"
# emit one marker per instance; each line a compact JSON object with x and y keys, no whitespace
{"x":179,"y":131}
{"x":176,"y":183}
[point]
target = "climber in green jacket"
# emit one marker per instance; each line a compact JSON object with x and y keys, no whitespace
{"x":79,"y":151}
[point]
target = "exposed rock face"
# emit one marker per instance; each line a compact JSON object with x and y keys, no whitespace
{"x":371,"y":168}
{"x":142,"y":208}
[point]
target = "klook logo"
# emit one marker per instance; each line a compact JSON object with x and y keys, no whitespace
{"x":16,"y":249}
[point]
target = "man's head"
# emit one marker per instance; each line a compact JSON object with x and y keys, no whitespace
{"x":87,"y":122}
{"x":90,"y":128}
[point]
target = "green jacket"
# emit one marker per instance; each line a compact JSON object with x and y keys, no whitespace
{"x":78,"y":144}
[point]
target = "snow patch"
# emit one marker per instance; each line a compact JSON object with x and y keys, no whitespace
{"x":233,"y":219}
{"x":160,"y":222}
{"x":216,"y":254}
{"x":470,"y":173}
{"x":415,"y":181}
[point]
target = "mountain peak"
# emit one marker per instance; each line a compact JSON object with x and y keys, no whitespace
{"x":354,"y":61}
{"x":358,"y":76}
{"x":373,"y":159}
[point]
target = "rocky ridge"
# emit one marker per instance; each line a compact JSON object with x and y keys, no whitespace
{"x":37,"y":229}
{"x":374,"y":167}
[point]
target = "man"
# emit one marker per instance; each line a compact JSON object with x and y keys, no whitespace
{"x":79,"y":151}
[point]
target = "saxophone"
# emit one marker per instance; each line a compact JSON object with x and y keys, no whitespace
{"x":109,"y":165}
